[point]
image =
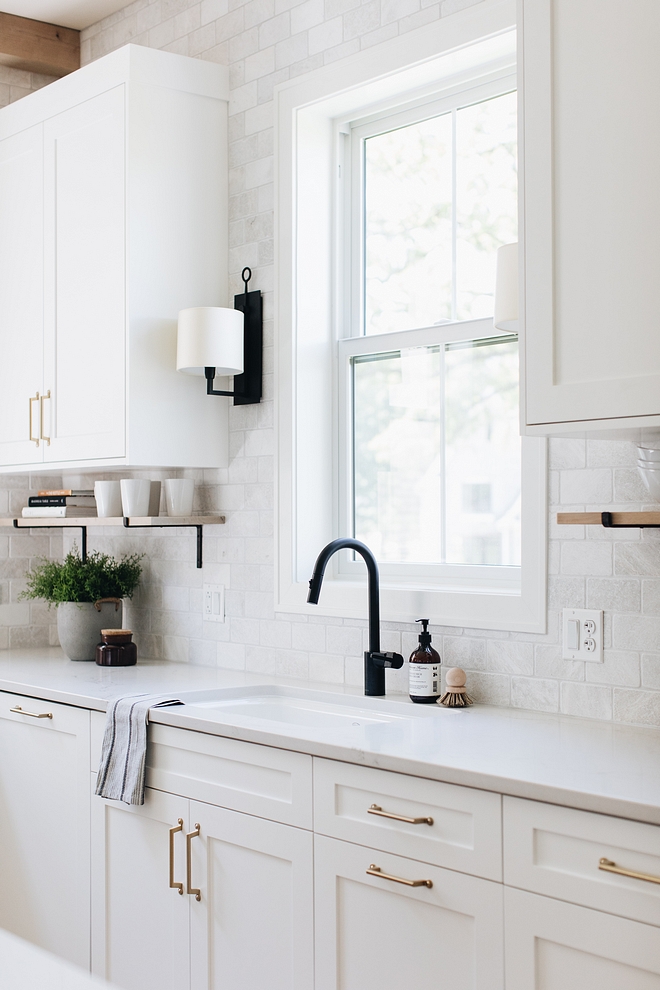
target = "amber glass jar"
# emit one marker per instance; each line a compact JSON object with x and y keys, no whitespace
{"x":116,"y":648}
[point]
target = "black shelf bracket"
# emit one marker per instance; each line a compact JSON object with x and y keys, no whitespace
{"x":606,"y":520}
{"x":127,"y":525}
{"x":83,"y":536}
{"x":200,"y":538}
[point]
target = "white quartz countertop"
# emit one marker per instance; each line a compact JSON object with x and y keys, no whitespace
{"x":26,"y":967}
{"x":598,"y":766}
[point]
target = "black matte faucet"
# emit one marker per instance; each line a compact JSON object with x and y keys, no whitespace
{"x":375,"y":662}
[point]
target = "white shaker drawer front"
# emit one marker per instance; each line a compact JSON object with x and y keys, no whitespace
{"x":444,"y":824}
{"x":258,"y":780}
{"x":573,"y":855}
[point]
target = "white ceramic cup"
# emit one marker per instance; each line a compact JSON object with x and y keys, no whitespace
{"x":135,"y":495}
{"x":108,"y":498}
{"x":179,"y":496}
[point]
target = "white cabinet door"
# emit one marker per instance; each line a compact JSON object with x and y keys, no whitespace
{"x":252,"y":928}
{"x":44,"y":825}
{"x":552,"y":945}
{"x":591,"y":210}
{"x":21,"y":295}
{"x":139,"y":923}
{"x":374,"y":933}
{"x":85,"y":317}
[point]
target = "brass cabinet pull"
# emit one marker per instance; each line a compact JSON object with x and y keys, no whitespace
{"x":173,"y":831}
{"x":41,"y":417}
{"x":375,"y":871}
{"x":610,"y":867}
{"x":375,"y":810}
{"x":33,"y":398}
{"x":19,"y":711}
{"x":191,"y":890}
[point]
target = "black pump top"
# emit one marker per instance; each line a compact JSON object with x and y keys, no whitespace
{"x":425,"y":635}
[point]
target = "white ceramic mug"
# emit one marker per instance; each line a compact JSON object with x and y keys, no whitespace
{"x":108,"y":498}
{"x":179,"y":496}
{"x":135,"y":495}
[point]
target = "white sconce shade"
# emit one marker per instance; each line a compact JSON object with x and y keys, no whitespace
{"x":210,"y":337}
{"x":506,"y":288}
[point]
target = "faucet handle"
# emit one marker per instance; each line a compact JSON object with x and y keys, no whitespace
{"x":394,"y":660}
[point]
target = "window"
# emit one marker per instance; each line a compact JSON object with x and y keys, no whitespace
{"x":431,"y":454}
{"x":396,"y":412}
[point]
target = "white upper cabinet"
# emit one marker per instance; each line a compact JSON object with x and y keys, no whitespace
{"x":21,"y":295}
{"x":590,"y":217}
{"x":113,"y":217}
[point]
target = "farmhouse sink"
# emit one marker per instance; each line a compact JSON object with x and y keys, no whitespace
{"x":295,"y":707}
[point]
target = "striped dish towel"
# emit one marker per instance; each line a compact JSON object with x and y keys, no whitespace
{"x":124,"y":753}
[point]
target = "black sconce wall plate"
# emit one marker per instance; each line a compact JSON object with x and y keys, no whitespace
{"x":248,"y":386}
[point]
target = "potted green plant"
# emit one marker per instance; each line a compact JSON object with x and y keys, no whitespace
{"x":88,"y":595}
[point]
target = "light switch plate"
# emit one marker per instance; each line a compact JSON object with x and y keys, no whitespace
{"x":213,"y":607}
{"x":584,"y":626}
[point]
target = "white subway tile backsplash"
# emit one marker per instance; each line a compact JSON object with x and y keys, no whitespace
{"x":264,"y":43}
{"x":586,"y":700}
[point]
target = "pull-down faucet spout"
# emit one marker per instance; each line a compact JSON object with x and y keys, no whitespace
{"x":375,"y":662}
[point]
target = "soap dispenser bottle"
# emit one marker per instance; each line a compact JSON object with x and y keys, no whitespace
{"x":424,"y":670}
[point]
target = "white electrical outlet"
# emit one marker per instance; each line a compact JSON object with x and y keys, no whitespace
{"x":214,"y":603}
{"x":582,"y":634}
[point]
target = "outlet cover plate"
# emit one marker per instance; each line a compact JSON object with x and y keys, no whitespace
{"x":589,"y":632}
{"x":213,"y":603}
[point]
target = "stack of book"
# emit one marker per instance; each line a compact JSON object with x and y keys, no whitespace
{"x":60,"y":503}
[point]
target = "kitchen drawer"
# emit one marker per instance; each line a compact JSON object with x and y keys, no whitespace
{"x":556,"y":851}
{"x":270,"y":783}
{"x":466,"y":830}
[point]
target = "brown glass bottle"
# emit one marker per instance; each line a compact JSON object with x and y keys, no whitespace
{"x":424,"y":670}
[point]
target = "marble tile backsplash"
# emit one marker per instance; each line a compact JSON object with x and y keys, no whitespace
{"x":265,"y":42}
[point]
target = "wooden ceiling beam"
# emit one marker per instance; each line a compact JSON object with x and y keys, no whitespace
{"x":38,"y":47}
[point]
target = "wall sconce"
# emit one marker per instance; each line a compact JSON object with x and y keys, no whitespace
{"x":214,"y":341}
{"x":505,"y":316}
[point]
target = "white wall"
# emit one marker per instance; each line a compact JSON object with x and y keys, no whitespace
{"x":265,"y":42}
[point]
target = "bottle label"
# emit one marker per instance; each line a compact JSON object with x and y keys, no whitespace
{"x":424,"y":679}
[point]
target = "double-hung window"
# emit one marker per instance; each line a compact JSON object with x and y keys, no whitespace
{"x":397,"y":400}
{"x":429,"y":445}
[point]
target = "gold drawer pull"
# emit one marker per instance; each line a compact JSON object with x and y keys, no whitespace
{"x":610,"y":867}
{"x":375,"y":871}
{"x":173,"y":831}
{"x":191,"y":890}
{"x":33,"y":398}
{"x":375,"y":810}
{"x":19,"y":711}
{"x":41,"y":418}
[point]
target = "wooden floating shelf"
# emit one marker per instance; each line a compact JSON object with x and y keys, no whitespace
{"x":126,"y":522}
{"x":611,"y":520}
{"x":52,"y":522}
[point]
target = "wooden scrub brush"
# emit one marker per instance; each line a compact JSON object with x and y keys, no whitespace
{"x":455,"y":696}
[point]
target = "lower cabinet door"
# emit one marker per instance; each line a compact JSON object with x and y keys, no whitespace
{"x":140,"y":938}
{"x":374,"y":932}
{"x":552,"y":945}
{"x":44,"y":825}
{"x":252,"y":927}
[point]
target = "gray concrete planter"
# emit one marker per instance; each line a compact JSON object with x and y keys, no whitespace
{"x":79,"y":625}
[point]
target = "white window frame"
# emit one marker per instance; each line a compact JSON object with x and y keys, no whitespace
{"x":469,"y":48}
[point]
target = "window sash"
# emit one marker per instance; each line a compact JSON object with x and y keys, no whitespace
{"x":352,"y":137}
{"x":501,"y":578}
